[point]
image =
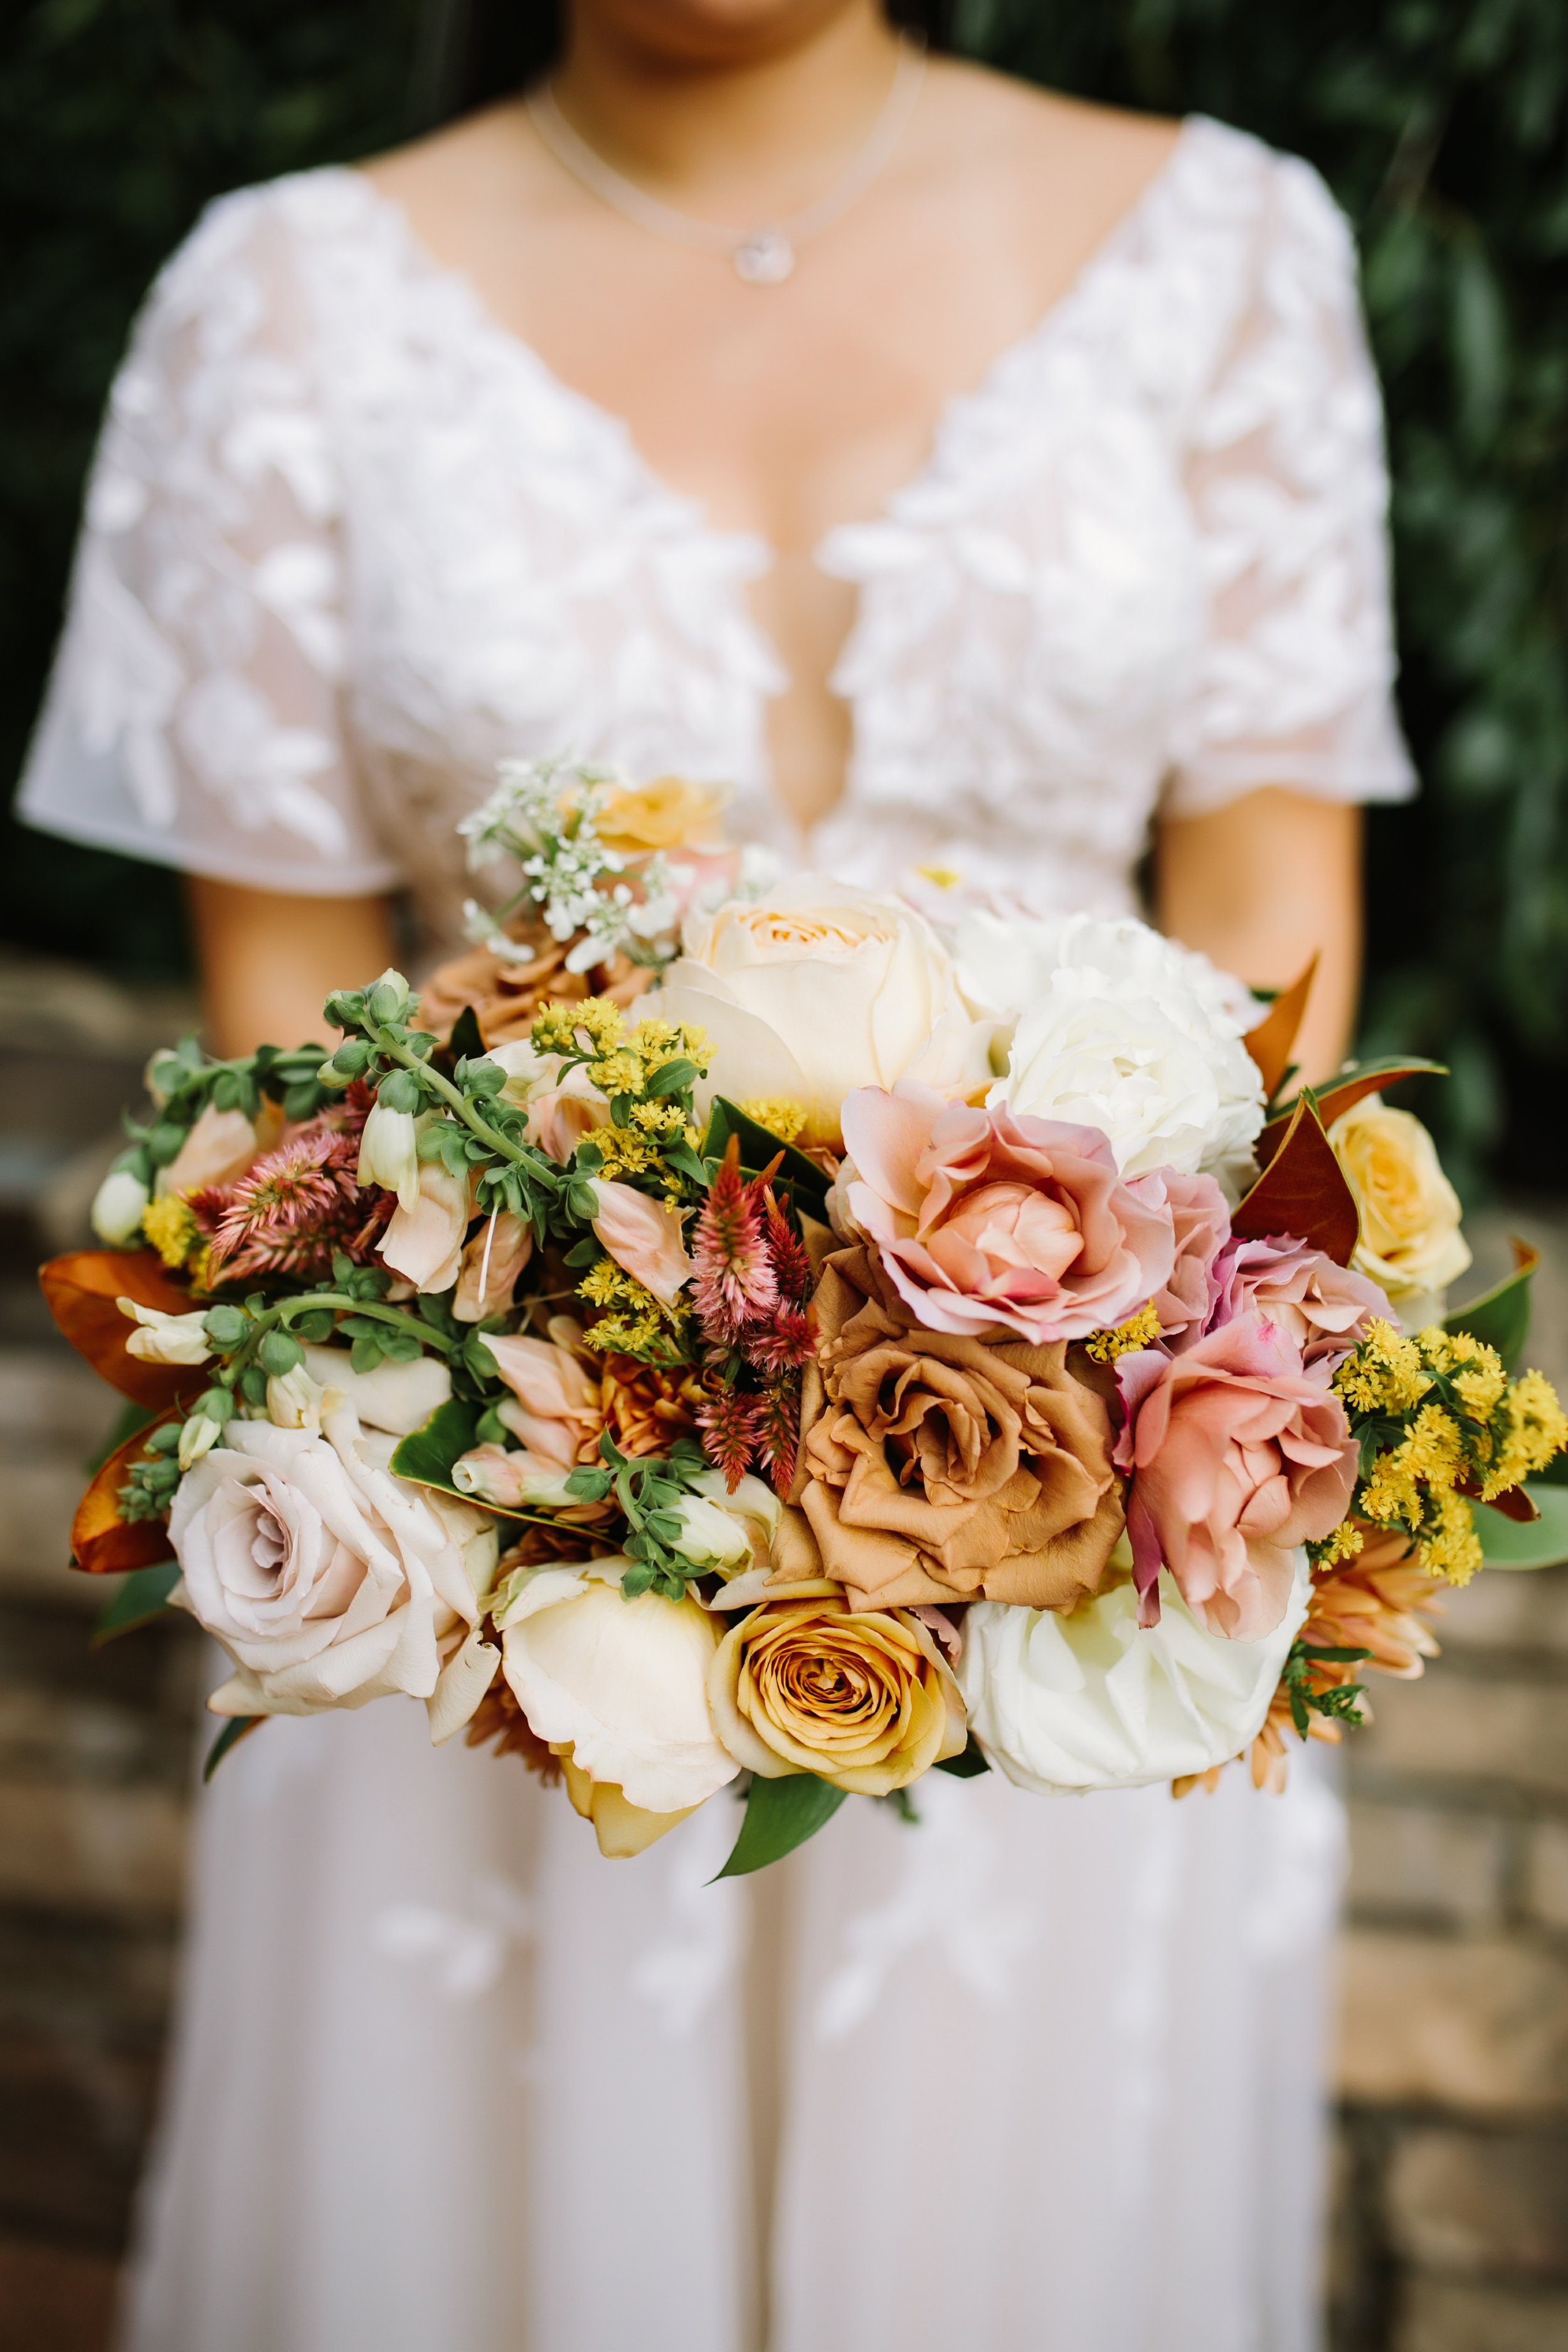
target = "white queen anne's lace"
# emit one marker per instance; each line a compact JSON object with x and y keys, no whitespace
{"x":349,"y":544}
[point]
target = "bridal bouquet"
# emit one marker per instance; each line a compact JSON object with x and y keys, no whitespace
{"x":734,"y":1334}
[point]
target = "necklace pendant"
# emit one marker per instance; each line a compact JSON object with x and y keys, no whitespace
{"x":767,"y":258}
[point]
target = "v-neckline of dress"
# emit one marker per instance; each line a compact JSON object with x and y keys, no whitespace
{"x":949,"y":430}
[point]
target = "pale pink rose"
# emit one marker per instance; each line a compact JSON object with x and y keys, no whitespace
{"x":1325,"y":1308}
{"x":557,"y":1412}
{"x":490,"y":1265}
{"x":1237,"y":1457}
{"x":984,"y":1219}
{"x":1201,"y":1218}
{"x":425,"y":1244}
{"x":644,"y":1238}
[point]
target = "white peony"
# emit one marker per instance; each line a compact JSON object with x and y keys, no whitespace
{"x":1121,"y":1029}
{"x":329,"y":1581}
{"x":1064,"y":1703}
{"x":816,"y":990}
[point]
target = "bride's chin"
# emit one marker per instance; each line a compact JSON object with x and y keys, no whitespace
{"x":713,"y":33}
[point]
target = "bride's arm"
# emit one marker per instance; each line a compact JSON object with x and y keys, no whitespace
{"x":1259,"y":885}
{"x":269,"y":960}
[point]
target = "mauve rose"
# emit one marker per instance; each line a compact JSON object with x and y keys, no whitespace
{"x":989,"y":1222}
{"x":1201,"y":1219}
{"x":1323,"y":1307}
{"x":1238,"y":1457}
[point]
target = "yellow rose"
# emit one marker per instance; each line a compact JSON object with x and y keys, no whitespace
{"x":860,"y":1696}
{"x":1410,"y":1238}
{"x":668,"y":813}
{"x":816,"y":990}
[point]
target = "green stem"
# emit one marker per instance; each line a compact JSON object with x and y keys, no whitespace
{"x":312,"y":1301}
{"x":521,"y":1155}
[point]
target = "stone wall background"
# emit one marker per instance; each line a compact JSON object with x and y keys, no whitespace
{"x":1451,"y":2230}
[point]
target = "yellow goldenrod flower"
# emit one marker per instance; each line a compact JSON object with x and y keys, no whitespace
{"x":1140,"y":1331}
{"x":780,"y":1115}
{"x":171,"y":1228}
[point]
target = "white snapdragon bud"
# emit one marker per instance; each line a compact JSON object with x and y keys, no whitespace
{"x":710,"y":1538}
{"x":118,"y":1206}
{"x":197,"y":1436}
{"x":165,"y":1338}
{"x":389,"y":1155}
{"x":294,"y":1400}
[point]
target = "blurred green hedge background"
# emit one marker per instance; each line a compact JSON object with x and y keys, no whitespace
{"x":1440,"y":124}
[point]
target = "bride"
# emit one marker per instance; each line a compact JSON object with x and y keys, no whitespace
{"x":985,"y":485}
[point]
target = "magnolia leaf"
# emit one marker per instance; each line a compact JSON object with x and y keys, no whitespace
{"x":234,"y":1732}
{"x":1542,"y":1542}
{"x":1271,"y":1042}
{"x":1500,"y":1317}
{"x":140,"y":1600}
{"x":806,"y":1182}
{"x":81,"y":1289}
{"x":103,"y":1543}
{"x":426,"y":1457}
{"x":1342,"y":1094}
{"x":1303,"y":1192}
{"x":780,"y":1815}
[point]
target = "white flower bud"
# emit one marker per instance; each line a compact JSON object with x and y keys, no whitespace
{"x":165,"y":1338}
{"x":117,"y":1207}
{"x":197,"y":1436}
{"x":294,"y":1400}
{"x":389,"y":1155}
{"x":711,"y":1536}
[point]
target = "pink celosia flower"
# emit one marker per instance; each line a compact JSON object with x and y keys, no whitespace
{"x":1237,"y":1457}
{"x":735,"y":1281}
{"x":984,"y":1219}
{"x":1322,"y":1306}
{"x":297,"y":1207}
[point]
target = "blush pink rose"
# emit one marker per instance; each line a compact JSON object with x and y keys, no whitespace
{"x":989,"y":1223}
{"x":1200,"y":1218}
{"x":557,"y":1414}
{"x":1237,"y":1457}
{"x":1324,"y":1307}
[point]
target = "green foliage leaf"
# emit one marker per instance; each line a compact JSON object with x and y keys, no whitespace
{"x":1500,"y":1317}
{"x":780,"y":1815}
{"x":968,"y":1761}
{"x":141,"y":1599}
{"x":467,"y":1042}
{"x":237,"y":1728}
{"x":427,"y":1455}
{"x":1539,"y":1543}
{"x":805,"y":1180}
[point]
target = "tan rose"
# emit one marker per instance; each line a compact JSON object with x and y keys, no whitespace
{"x":808,"y":1683}
{"x":936,"y":1467}
{"x":506,"y":996}
{"x":1410,"y":1238}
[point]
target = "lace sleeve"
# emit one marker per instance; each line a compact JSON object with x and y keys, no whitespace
{"x":195,"y":716}
{"x":1288,"y":481}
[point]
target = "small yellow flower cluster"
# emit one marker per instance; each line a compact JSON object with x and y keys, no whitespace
{"x":1451,"y":1425}
{"x":559,"y":1028}
{"x":1386,"y":1375}
{"x":778,"y":1113}
{"x":637,"y":1325}
{"x":169,"y":1225}
{"x":1140,"y":1331}
{"x":1343,"y":1544}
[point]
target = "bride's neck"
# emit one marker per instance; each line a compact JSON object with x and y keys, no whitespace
{"x":744,"y":120}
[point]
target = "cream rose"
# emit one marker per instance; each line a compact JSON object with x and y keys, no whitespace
{"x":617,"y":1688}
{"x":1091,"y":1700}
{"x":329,"y":1581}
{"x":814,"y":989}
{"x":862,"y":1697}
{"x":1410,"y":1237}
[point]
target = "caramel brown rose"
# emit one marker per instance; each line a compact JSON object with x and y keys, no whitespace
{"x":808,"y":1683}
{"x":936,"y":1467}
{"x":506,"y":996}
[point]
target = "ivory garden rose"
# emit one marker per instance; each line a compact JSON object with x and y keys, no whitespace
{"x":814,"y":989}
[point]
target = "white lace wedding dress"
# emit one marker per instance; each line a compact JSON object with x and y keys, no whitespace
{"x":1034,"y":2075}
